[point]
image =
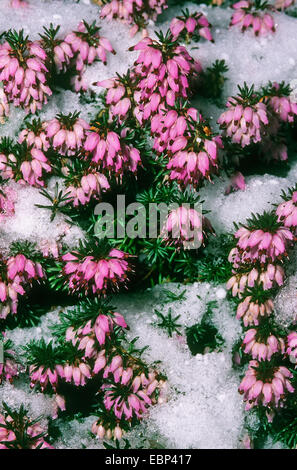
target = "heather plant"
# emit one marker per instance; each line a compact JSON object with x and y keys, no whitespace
{"x":139,"y":136}
{"x":269,"y":380}
{"x":19,"y":431}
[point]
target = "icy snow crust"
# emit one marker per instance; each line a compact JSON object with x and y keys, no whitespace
{"x":204,"y":409}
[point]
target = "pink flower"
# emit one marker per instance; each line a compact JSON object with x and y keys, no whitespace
{"x":44,"y":376}
{"x":127,"y":400}
{"x":35,"y":136}
{"x":9,"y":368}
{"x":28,"y":162}
{"x":66,"y":133}
{"x":119,"y":97}
{"x":270,"y":276}
{"x":6,"y":163}
{"x":292,"y":346}
{"x":193,"y":156}
{"x":23,"y":268}
{"x":263,"y":246}
{"x":23,"y":425}
{"x":166,"y":126}
{"x":4,"y":106}
{"x":90,"y":186}
{"x":18,"y":3}
{"x":110,"y":152}
{"x":7,"y":200}
{"x":185,"y":226}
{"x":82,"y":48}
{"x":133,"y":12}
{"x":24,"y":73}
{"x":278,"y":100}
{"x":92,"y":335}
{"x":237,"y":183}
{"x":162,"y":71}
{"x":243,"y":123}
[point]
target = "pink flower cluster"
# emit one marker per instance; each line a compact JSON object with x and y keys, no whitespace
{"x":90,"y":186}
{"x":136,"y":394}
{"x":81,"y":48}
{"x":17,"y":272}
{"x":193,"y":157}
{"x":270,"y":276}
{"x":99,"y":329}
{"x":259,"y":117}
{"x":24,"y":72}
{"x":133,"y":12}
{"x":282,"y":106}
{"x":257,"y":268}
{"x":186,"y":227}
{"x":252,"y":310}
{"x":34,"y":430}
{"x":163,"y":70}
{"x":66,"y":133}
{"x":4,"y":106}
{"x":110,"y":152}
{"x":260,"y":245}
{"x":139,"y":393}
{"x":7,"y":200}
{"x":43,"y":376}
{"x":35,"y":136}
{"x":244,"y":124}
{"x":168,"y":126}
{"x":280,"y":110}
{"x":287,"y":212}
{"x":268,"y":391}
{"x":119,"y":97}
{"x":187,"y":26}
{"x":95,"y":275}
{"x":18,"y":3}
{"x":22,"y":268}
{"x":292,"y":346}
{"x":247,"y":15}
{"x":76,"y":373}
{"x":128,"y":387}
{"x":262,"y":350}
{"x":9,"y":368}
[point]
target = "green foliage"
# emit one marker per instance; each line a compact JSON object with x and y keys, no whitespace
{"x":18,"y":422}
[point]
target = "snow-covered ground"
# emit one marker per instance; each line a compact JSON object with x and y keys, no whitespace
{"x":204,"y":409}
